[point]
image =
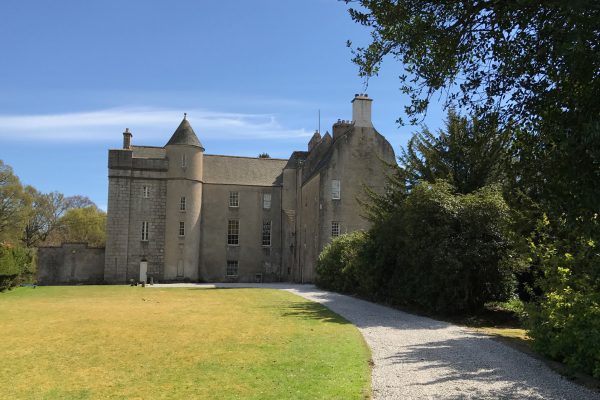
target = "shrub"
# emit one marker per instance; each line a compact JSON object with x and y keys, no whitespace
{"x":339,"y":264}
{"x":565,"y":319}
{"x":17,"y":265}
{"x":455,"y":249}
{"x":438,"y":250}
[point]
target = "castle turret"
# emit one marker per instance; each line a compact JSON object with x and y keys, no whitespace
{"x":184,"y":202}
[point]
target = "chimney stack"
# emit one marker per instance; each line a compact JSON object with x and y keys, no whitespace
{"x":127,"y":139}
{"x":361,"y":110}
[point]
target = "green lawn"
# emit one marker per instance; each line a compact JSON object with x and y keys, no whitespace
{"x":90,"y":342}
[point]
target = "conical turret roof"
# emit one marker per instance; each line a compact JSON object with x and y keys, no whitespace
{"x":184,"y":134}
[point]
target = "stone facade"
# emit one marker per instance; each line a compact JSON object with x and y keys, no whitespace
{"x":70,"y":263}
{"x":186,"y":215}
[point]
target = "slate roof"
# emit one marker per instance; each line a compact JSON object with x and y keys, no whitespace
{"x":251,"y":171}
{"x":184,"y":134}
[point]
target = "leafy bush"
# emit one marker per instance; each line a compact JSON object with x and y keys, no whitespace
{"x":339,"y":264}
{"x":439,"y":250}
{"x":455,"y":249}
{"x":565,"y":320}
{"x":17,"y":265}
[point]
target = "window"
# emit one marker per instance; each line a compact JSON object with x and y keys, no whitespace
{"x":233,"y":232}
{"x":335,"y":229}
{"x":145,"y":231}
{"x":232,"y":267}
{"x":182,"y":203}
{"x":146,"y":192}
{"x":181,"y":228}
{"x":234,"y":199}
{"x":266,"y":201}
{"x":335,"y":189}
{"x":183,"y":161}
{"x":266,"y":233}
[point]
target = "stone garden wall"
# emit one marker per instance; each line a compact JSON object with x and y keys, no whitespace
{"x":71,"y":263}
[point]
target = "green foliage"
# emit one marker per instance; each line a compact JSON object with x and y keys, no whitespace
{"x":83,"y":225}
{"x":438,"y":250}
{"x":522,"y":58}
{"x":441,"y":236}
{"x":17,"y":265}
{"x":43,"y":213}
{"x":31,"y":218}
{"x":12,"y":205}
{"x":469,"y":154}
{"x":264,"y":155}
{"x":339,"y":264}
{"x":455,"y":249}
{"x":565,"y":319}
{"x":534,"y":65}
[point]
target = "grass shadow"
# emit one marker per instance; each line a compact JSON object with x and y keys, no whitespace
{"x":312,"y":311}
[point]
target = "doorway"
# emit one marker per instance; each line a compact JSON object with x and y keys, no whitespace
{"x":143,"y":271}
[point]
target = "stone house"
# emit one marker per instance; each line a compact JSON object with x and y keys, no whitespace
{"x":178,"y":214}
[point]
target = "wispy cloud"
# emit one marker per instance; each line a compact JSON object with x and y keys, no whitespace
{"x":149,"y":123}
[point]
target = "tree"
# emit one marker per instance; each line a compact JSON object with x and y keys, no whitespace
{"x":535,"y":65}
{"x":264,"y":155}
{"x":528,"y":56}
{"x":78,"y":201}
{"x":86,"y":224}
{"x":469,"y":154}
{"x":43,"y":213}
{"x":11,"y":203}
{"x":532,"y":63}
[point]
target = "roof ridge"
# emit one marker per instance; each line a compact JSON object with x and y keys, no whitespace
{"x":251,"y":158}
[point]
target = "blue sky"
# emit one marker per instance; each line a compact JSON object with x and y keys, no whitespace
{"x":251,"y":75}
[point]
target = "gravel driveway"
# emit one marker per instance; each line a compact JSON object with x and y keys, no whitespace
{"x":420,"y":358}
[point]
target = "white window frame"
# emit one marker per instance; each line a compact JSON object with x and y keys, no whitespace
{"x":146,"y":192}
{"x":233,"y":232}
{"x":267,"y":201}
{"x":266,"y":233}
{"x":232,"y":268}
{"x":181,"y":229}
{"x":336,"y":228}
{"x":145,"y":231}
{"x":182,"y":203}
{"x":234,"y":199}
{"x":336,"y":189}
